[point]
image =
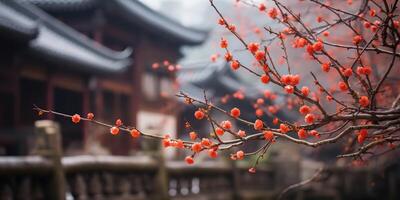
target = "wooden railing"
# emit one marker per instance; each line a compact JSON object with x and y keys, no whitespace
{"x":48,"y":175}
{"x":51,"y":176}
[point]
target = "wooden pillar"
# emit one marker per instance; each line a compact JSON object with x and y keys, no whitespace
{"x":49,"y":132}
{"x":161,"y":178}
{"x":138,"y":60}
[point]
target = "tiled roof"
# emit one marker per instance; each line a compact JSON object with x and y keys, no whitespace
{"x":56,"y":42}
{"x":134,"y":12}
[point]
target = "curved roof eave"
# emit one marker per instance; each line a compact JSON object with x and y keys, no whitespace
{"x":57,"y":42}
{"x":136,"y":10}
{"x":132,"y":11}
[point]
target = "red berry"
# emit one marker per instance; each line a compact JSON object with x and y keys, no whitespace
{"x":305,"y":91}
{"x":326,"y":67}
{"x":302,"y":134}
{"x":259,"y":112}
{"x":232,"y":27}
{"x":295,"y":79}
{"x":219,"y":131}
{"x":226,"y":125}
{"x":166,"y":142}
{"x":347,"y":72}
{"x":396,"y":24}
{"x":235,"y":64}
{"x":240,"y":155}
{"x":76,"y":118}
{"x":304,"y":109}
{"x":199,"y":114}
{"x":223,"y":43}
{"x":228,"y":57}
{"x":318,"y":46}
{"x":289,"y":89}
{"x":135,"y":133}
{"x":196,"y":147}
{"x":258,"y":125}
{"x":363,"y":132}
{"x":360,"y":139}
{"x":118,"y":122}
{"x":235,"y":112}
{"x":205,"y":142}
{"x":310,"y":49}
{"x":179,"y":144}
{"x":189,"y":160}
{"x":314,"y":133}
{"x":114,"y":130}
{"x":252,"y":170}
{"x":357,"y":39}
{"x":343,"y":86}
{"x":253,"y":47}
{"x":273,"y":13}
{"x":367,"y":70}
{"x":367,"y":24}
{"x":268,"y":135}
{"x":260,"y":55}
{"x":241,"y":133}
{"x":221,"y":21}
{"x":90,"y":116}
{"x":372,"y":13}
{"x":283,"y":128}
{"x":262,"y":7}
{"x":193,"y":135}
{"x":309,"y":118}
{"x":264,"y":78}
{"x":320,"y":19}
{"x":212,"y":153}
{"x":364,"y":101}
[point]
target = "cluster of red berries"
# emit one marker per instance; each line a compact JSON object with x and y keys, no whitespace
{"x":364,"y":70}
{"x":168,"y":142}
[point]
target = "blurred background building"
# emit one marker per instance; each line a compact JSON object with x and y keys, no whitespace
{"x":86,"y":56}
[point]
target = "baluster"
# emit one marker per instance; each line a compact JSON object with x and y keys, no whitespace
{"x":108,"y":186}
{"x":78,"y":188}
{"x":6,"y":192}
{"x":123,"y":186}
{"x":95,"y":187}
{"x":37,"y":190}
{"x":205,"y":184}
{"x":184,"y":183}
{"x":172,"y":185}
{"x":196,"y":185}
{"x":24,"y":189}
{"x":148,"y":184}
{"x":137,"y":187}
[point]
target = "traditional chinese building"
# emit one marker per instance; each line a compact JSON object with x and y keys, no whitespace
{"x":79,"y":56}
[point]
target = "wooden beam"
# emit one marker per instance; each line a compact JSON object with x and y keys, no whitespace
{"x":69,"y":81}
{"x":115,"y":86}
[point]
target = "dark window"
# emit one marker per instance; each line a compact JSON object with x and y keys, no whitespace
{"x":67,"y":101}
{"x":31,"y":92}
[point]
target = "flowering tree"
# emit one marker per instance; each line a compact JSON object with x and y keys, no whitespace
{"x":344,"y":85}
